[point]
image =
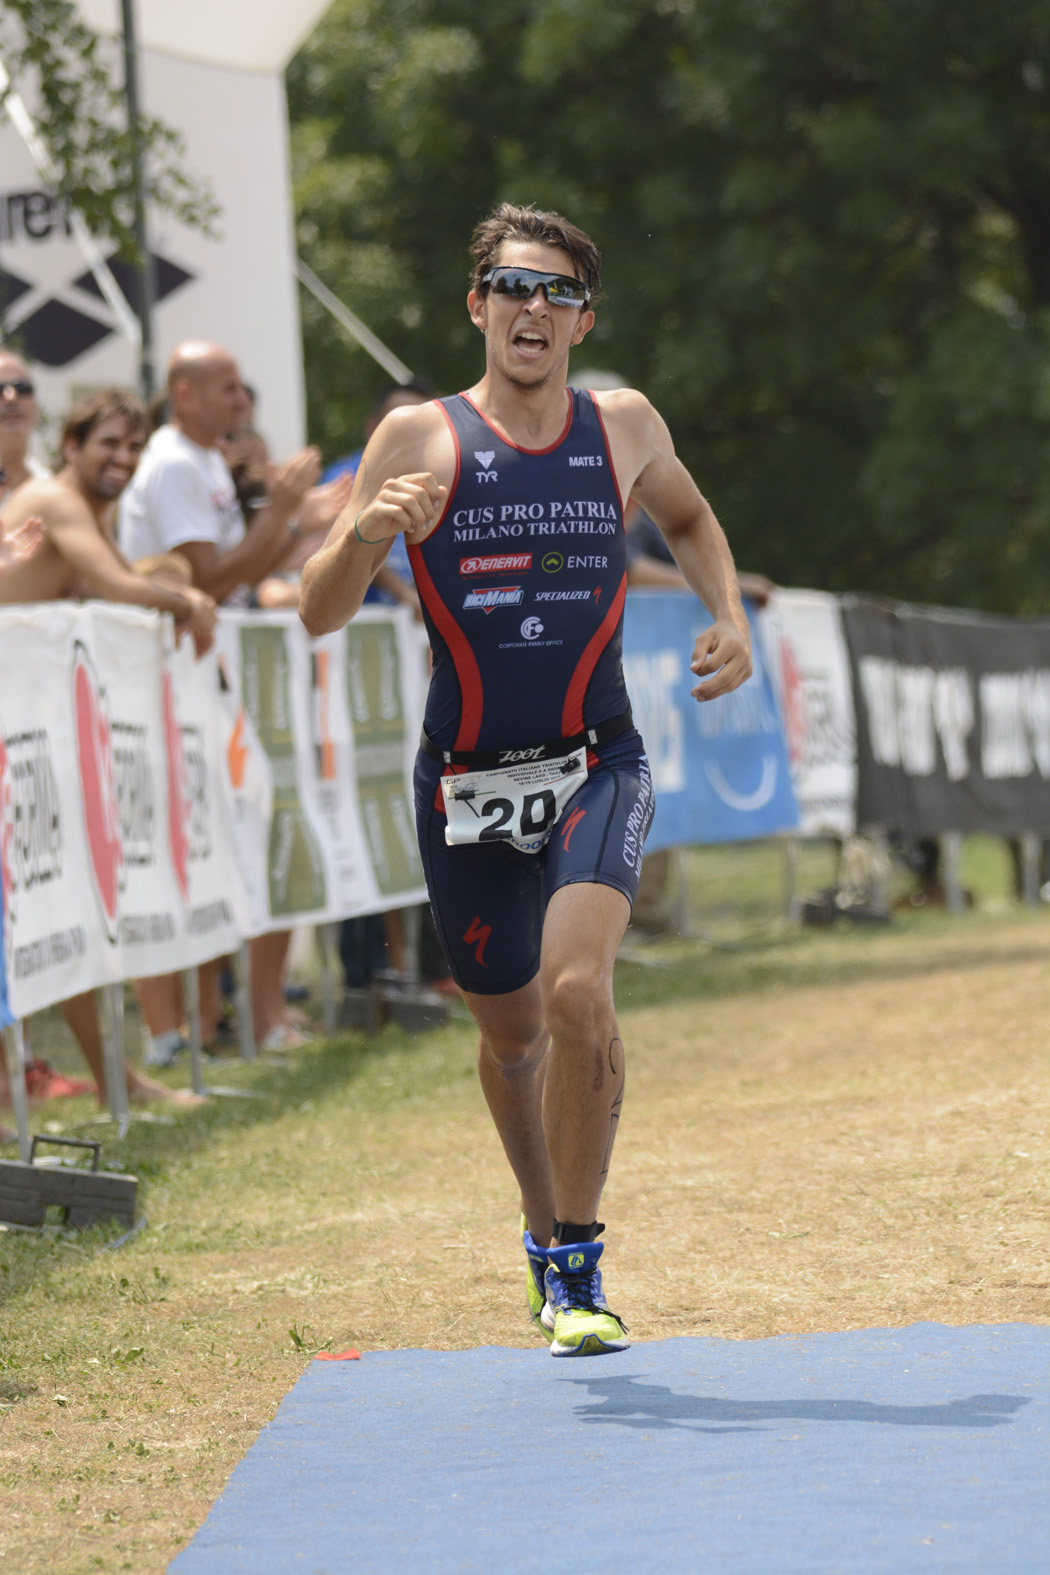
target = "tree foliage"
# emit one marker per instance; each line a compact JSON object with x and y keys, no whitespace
{"x":72,"y":82}
{"x":826,"y":230}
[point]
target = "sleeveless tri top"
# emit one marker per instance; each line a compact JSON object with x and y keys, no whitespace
{"x":522,"y":584}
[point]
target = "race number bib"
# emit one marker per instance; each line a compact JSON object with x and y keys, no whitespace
{"x":516,"y":804}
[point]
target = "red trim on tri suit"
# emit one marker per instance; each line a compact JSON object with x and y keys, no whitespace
{"x":467,"y":670}
{"x":608,"y":453}
{"x":572,"y":712}
{"x":558,"y":441}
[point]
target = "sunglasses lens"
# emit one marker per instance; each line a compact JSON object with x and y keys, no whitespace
{"x":19,"y":385}
{"x":521,"y":282}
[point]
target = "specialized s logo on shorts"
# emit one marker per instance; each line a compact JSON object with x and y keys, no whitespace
{"x":477,"y":934}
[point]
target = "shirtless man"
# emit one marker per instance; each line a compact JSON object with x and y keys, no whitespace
{"x":19,"y":419}
{"x":511,"y":500}
{"x":101,"y":443}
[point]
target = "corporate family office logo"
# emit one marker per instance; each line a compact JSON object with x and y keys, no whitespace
{"x":57,"y":329}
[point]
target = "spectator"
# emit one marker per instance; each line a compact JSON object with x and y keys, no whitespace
{"x":101,"y":443}
{"x":183,"y":497}
{"x":19,"y":418}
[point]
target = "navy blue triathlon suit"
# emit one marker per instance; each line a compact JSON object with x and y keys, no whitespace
{"x":522,"y":584}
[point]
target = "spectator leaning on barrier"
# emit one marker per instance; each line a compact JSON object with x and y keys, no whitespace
{"x":101,"y":442}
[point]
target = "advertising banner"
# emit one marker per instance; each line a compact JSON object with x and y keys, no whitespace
{"x":114,"y":854}
{"x":953,"y":718}
{"x":328,"y":731}
{"x":805,"y":651}
{"x":720,"y":769}
{"x":213,"y":73}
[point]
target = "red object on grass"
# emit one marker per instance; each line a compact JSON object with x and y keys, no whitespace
{"x":338,"y":1356}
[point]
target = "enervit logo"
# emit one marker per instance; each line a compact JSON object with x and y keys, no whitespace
{"x":178,"y":796}
{"x":98,"y":794}
{"x":495,"y":596}
{"x":30,"y":818}
{"x":531,"y":628}
{"x":552,"y":562}
{"x":497,"y":563}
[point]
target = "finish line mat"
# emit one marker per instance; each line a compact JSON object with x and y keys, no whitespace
{"x":890,"y":1450}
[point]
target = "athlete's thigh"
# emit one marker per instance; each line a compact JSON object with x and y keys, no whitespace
{"x":487,"y":902}
{"x":600,"y":834}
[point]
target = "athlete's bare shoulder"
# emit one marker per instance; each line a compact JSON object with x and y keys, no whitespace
{"x":47,"y":497}
{"x":409,"y":440}
{"x":636,"y":431}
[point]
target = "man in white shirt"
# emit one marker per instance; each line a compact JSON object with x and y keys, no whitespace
{"x":183,"y":499}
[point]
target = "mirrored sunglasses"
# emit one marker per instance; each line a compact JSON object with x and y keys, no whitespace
{"x":559,"y":288}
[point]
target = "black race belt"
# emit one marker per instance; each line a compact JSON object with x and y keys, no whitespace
{"x":554,"y":749}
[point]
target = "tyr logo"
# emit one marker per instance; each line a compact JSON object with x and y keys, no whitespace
{"x":484,"y":458}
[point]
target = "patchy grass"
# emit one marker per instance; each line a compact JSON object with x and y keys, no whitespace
{"x":823,"y":1130}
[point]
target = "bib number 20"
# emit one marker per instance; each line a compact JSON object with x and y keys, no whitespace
{"x":538,"y":813}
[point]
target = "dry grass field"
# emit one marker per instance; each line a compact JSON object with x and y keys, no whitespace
{"x":826,"y":1130}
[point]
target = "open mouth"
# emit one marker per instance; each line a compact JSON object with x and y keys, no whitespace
{"x":530,"y":342}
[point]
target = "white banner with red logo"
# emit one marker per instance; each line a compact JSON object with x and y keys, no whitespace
{"x":114,"y":846}
{"x":155,"y":809}
{"x":806,"y":655}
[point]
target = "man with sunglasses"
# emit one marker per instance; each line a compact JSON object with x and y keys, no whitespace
{"x":533,"y":794}
{"x":19,"y":419}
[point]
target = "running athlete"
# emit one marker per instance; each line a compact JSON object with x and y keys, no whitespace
{"x":533,"y":793}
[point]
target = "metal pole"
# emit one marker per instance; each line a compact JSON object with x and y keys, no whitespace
{"x":144,"y":262}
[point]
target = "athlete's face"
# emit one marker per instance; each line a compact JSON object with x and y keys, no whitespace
{"x":529,"y":341}
{"x":105,"y":462}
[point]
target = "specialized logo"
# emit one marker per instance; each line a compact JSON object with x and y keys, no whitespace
{"x":477,"y":935}
{"x":571,"y":822}
{"x":531,"y":629}
{"x":178,"y":794}
{"x":484,"y":459}
{"x":567,"y":596}
{"x":98,"y":792}
{"x":552,"y":562}
{"x":494,"y":596}
{"x":576,"y":1261}
{"x":497,"y":563}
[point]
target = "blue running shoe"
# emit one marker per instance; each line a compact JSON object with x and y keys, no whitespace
{"x":583,"y":1322}
{"x":540,"y":1311}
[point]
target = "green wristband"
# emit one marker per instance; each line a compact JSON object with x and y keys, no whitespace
{"x":368,"y":541}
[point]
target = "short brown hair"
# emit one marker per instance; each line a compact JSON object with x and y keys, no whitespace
{"x":101,"y":406}
{"x":510,"y":223}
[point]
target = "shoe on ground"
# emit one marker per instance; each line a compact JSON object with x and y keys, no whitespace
{"x":540,"y":1310}
{"x":284,"y":1037}
{"x":584,"y":1324}
{"x":42,"y":1082}
{"x":164,"y":1049}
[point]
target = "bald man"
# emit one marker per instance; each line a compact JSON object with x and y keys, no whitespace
{"x":183,"y":497}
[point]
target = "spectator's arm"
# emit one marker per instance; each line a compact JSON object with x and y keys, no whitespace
{"x":265,"y":544}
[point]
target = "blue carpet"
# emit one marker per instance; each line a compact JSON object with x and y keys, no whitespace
{"x":896,"y":1450}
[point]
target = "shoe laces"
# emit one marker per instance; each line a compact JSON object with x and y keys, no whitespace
{"x":581,"y":1290}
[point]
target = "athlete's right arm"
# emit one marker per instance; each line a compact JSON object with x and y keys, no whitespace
{"x":401,"y":486}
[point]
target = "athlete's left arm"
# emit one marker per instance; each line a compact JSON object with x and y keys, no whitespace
{"x":649,"y":470}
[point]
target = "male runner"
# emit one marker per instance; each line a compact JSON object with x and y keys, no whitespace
{"x":511,"y":499}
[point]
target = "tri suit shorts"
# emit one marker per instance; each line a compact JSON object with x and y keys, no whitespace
{"x":489,"y":899}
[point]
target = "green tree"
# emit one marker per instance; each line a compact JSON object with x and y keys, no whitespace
{"x":72,"y":82}
{"x":826,"y":226}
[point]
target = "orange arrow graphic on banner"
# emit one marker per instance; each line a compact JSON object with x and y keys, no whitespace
{"x":237,"y":752}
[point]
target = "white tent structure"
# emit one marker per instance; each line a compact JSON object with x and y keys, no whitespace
{"x":214,"y":72}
